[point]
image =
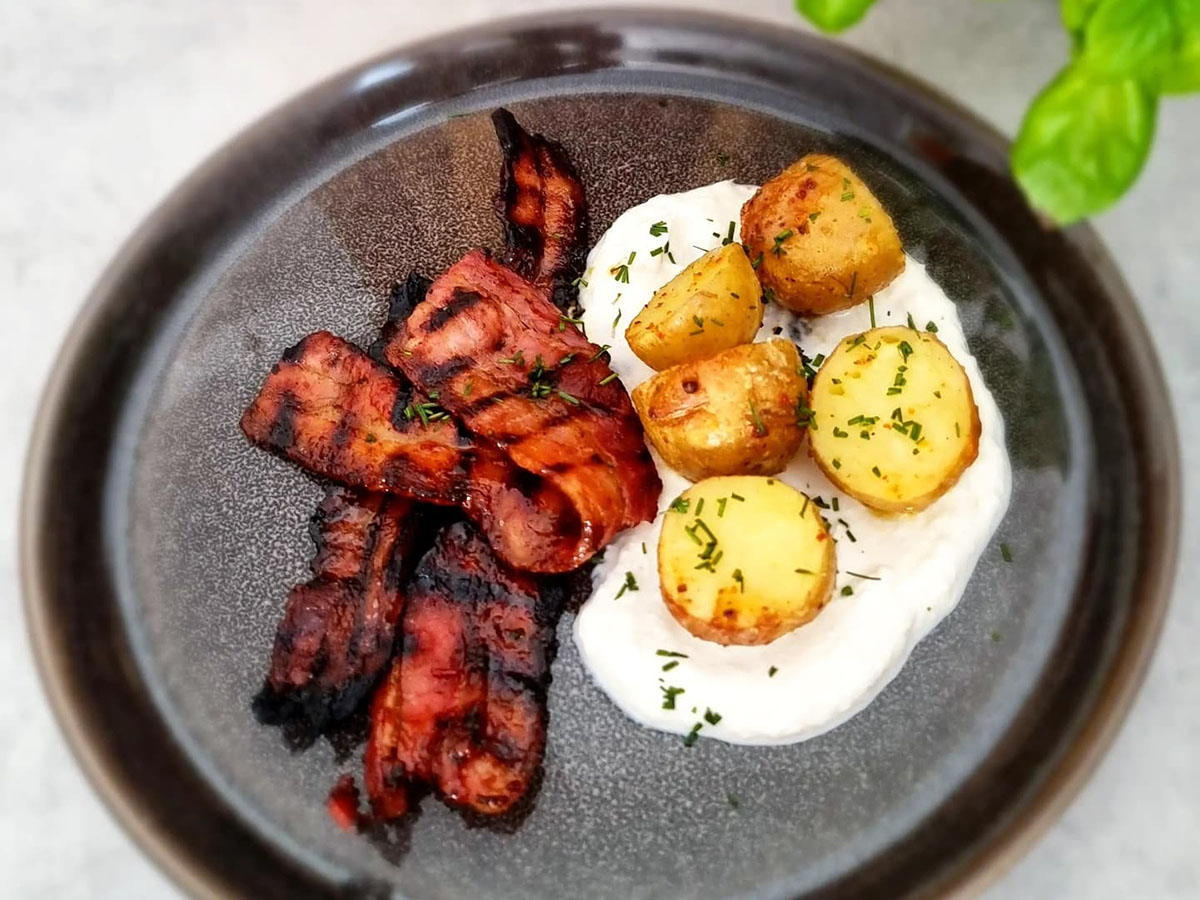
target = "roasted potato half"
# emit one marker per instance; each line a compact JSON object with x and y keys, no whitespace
{"x":819,"y":237}
{"x":734,"y":413}
{"x":712,"y":305}
{"x":743,"y":560}
{"x":894,"y":422}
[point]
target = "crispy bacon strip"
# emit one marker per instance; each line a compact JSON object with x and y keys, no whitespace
{"x":337,"y":630}
{"x":542,"y":205}
{"x":515,"y":371}
{"x":462,"y":708}
{"x":334,"y":411}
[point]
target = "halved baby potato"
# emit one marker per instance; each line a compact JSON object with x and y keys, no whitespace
{"x":712,"y":305}
{"x":734,"y":413}
{"x":820,"y":238}
{"x":744,"y":560}
{"x":894,"y":422}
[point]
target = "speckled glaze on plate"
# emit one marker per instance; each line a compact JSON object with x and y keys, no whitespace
{"x":158,"y":545}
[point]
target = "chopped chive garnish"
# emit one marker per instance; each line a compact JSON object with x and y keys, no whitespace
{"x":604,"y":348}
{"x":837,"y":463}
{"x":1006,"y":552}
{"x":693,"y":735}
{"x":911,"y":323}
{"x":711,"y":717}
{"x":759,"y":428}
{"x":736,"y":497}
{"x":679,"y":504}
{"x":669,"y":695}
{"x":771,"y":671}
{"x":612,"y":376}
{"x":564,"y":321}
{"x":867,"y":577}
{"x":629,"y":585}
{"x":847,"y":590}
{"x":740,"y":579}
{"x":779,"y":239}
{"x":931,"y":327}
{"x":658,"y":229}
{"x":721,"y":501}
{"x":667,"y":667}
{"x":813,"y":216}
{"x":574,"y":401}
{"x":700,"y":506}
{"x":805,"y":572}
{"x":871,"y":309}
{"x":670,"y":653}
{"x":728,"y":239}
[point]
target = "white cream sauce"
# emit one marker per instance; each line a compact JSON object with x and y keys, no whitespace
{"x":829,"y":669}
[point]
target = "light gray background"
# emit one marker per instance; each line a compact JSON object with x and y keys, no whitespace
{"x":104,"y":106}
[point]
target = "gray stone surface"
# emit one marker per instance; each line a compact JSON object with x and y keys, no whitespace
{"x":105,"y":106}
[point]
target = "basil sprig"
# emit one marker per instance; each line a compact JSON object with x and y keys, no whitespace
{"x":1085,"y":138}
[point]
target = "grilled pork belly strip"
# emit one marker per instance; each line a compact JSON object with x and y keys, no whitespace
{"x":513,"y":370}
{"x":462,"y":708}
{"x":542,"y":205}
{"x":331,"y":409}
{"x":337,"y":631}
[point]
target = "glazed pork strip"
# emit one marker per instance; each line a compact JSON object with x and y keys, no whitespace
{"x":513,"y":370}
{"x":334,"y":411}
{"x":542,"y":205}
{"x":336,"y":635}
{"x":463,"y":706}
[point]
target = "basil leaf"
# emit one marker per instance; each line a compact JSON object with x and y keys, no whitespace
{"x":1129,"y":38}
{"x":1083,"y":143}
{"x":1182,"y":75}
{"x":1075,"y":15}
{"x":834,"y":15}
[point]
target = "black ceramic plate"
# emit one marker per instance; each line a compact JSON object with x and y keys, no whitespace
{"x":158,"y":545}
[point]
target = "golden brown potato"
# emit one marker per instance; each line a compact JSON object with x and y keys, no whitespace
{"x":730,"y":414}
{"x":744,"y":560}
{"x":712,"y":305}
{"x":894,"y":423}
{"x":819,"y":237}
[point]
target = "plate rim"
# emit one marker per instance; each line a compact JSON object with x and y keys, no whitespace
{"x":998,"y":851}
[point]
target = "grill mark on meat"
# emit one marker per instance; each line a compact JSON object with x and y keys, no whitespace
{"x":403,"y":300}
{"x":446,"y":370}
{"x":580,"y":415}
{"x":459,"y":302}
{"x":339,"y":414}
{"x":544,"y":210}
{"x":336,"y":634}
{"x":463,"y":705}
{"x":283,"y":426}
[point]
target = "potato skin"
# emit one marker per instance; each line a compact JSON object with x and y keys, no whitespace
{"x":840,"y":246}
{"x":771,"y":568}
{"x":893,"y":384}
{"x":712,"y":305}
{"x":734,"y":413}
